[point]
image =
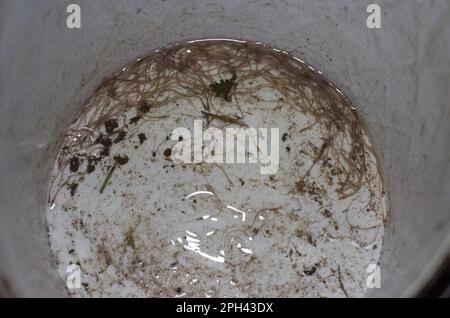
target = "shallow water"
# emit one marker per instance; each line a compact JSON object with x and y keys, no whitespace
{"x":139,"y":224}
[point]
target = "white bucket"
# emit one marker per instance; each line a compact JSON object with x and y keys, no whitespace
{"x":396,"y":75}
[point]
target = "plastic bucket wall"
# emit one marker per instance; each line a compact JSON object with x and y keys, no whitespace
{"x":397,"y":76}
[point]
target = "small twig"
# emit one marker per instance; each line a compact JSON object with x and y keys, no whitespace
{"x":108,"y":176}
{"x":225,"y":118}
{"x":340,"y":282}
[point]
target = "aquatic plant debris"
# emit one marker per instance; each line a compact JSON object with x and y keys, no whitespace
{"x":119,"y":161}
{"x":108,"y":177}
{"x":225,"y":119}
{"x":142,"y":137}
{"x":111,"y":125}
{"x":145,"y":108}
{"x":223,"y":87}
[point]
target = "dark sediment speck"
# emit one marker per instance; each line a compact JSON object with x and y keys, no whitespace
{"x":121,"y":160}
{"x":120,"y":137}
{"x":142,"y":137}
{"x":111,"y":125}
{"x":91,"y":164}
{"x":73,"y":188}
{"x":168,"y":152}
{"x":106,"y":143}
{"x":135,"y":119}
{"x":145,"y":107}
{"x":310,"y":272}
{"x":74,"y":164}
